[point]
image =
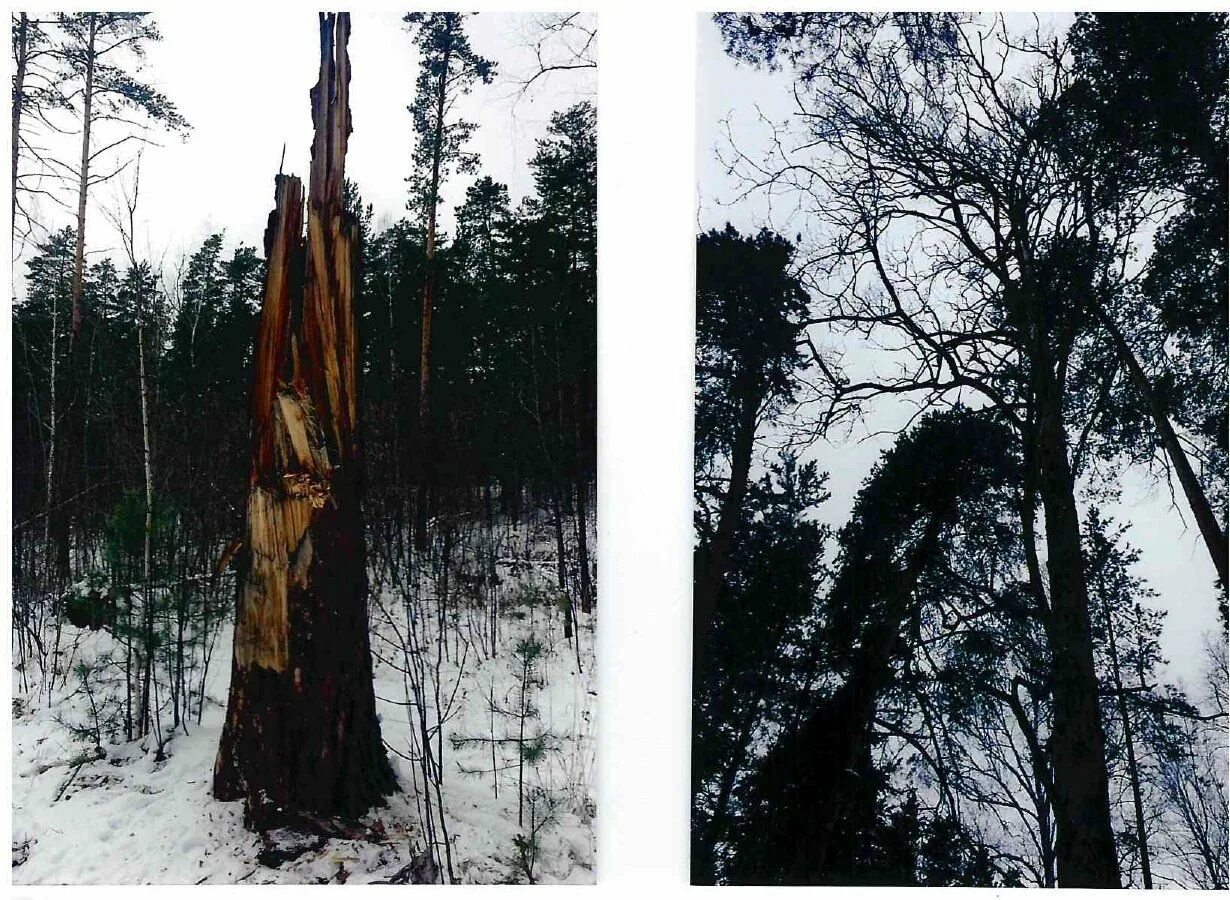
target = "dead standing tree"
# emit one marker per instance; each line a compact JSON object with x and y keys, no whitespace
{"x":301,"y":738}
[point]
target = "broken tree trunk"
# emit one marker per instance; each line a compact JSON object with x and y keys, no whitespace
{"x":301,"y":738}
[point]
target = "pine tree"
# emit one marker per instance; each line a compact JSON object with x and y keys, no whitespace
{"x":750,"y":309}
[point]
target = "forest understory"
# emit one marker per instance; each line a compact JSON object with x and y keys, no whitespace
{"x":508,"y":710}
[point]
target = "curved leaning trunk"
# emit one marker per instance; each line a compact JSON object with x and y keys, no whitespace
{"x":1197,"y":501}
{"x":301,"y":738}
{"x":812,"y":780}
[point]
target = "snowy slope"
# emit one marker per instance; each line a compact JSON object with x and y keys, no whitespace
{"x":129,"y":818}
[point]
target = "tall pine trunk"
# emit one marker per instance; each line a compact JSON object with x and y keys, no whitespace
{"x":83,"y":184}
{"x":1085,"y":844}
{"x":74,"y":446}
{"x":148,"y":530}
{"x":432,"y":204}
{"x":21,"y":56}
{"x":73,"y":431}
{"x":427,"y":448}
{"x":301,"y":738}
{"x":712,"y":561}
{"x":53,"y":438}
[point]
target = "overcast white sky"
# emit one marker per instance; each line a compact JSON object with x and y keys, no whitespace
{"x":245,"y":110}
{"x":1173,"y":558}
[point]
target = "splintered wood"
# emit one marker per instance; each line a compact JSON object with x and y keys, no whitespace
{"x":303,"y":401}
{"x":279,"y":543}
{"x":301,"y":738}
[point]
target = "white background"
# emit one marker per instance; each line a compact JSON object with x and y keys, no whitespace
{"x":647,"y":221}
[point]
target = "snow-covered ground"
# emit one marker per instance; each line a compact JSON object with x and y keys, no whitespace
{"x":129,"y":818}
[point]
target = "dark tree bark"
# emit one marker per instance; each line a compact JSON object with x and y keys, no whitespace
{"x":83,"y":187}
{"x":1197,"y":500}
{"x":72,"y":451}
{"x":712,"y":561}
{"x":587,"y":590}
{"x":429,"y":305}
{"x":813,"y":779}
{"x":21,"y":56}
{"x":1129,"y":748}
{"x":705,"y":835}
{"x":301,"y":738}
{"x":427,"y":466}
{"x":1085,"y":842}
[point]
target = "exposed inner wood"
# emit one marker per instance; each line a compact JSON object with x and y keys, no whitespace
{"x":278,"y":537}
{"x":301,"y":737}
